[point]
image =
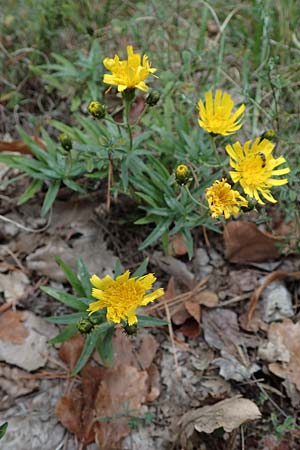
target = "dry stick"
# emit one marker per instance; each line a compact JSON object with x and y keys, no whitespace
{"x":172,"y":339}
{"x":15,"y":258}
{"x":30,"y":230}
{"x":181,"y":297}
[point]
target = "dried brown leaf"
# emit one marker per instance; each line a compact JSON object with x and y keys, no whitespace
{"x":71,"y":350}
{"x":68,"y":409}
{"x":194,"y":310}
{"x":228,"y":414}
{"x":20,"y":146}
{"x":177,"y":245}
{"x":284,"y":348}
{"x":206,"y":298}
{"x":12,"y":328}
{"x":124,"y":386}
{"x":190,"y":328}
{"x":244,"y":242}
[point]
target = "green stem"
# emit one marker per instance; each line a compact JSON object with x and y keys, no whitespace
{"x":194,"y":199}
{"x":215,"y":150}
{"x":129,"y":130}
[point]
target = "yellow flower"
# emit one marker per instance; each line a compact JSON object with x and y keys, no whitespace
{"x":122,"y":296}
{"x":216,"y":116}
{"x":224,"y":200}
{"x":130,"y":73}
{"x":254,"y":166}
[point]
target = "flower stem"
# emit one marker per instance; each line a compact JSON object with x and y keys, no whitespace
{"x":214,"y":147}
{"x":194,"y":199}
{"x":129,"y":129}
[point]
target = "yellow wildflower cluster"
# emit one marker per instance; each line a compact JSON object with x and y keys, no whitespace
{"x":254,"y":165}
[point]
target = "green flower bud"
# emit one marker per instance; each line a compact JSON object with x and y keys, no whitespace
{"x":270,"y":135}
{"x":153,"y":98}
{"x":130,"y":330}
{"x":251,"y":205}
{"x":66,"y":141}
{"x":182,"y":174}
{"x":85,"y":326}
{"x":97,"y":110}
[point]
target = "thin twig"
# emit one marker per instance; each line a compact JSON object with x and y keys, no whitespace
{"x":172,"y":340}
{"x":22,"y":227}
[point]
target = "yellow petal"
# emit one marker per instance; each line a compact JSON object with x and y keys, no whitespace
{"x":95,"y":306}
{"x":101,"y":283}
{"x":146,"y":281}
{"x":124,"y":277}
{"x":131,"y":319}
{"x":209,"y":103}
{"x":96,"y":293}
{"x":148,"y":298}
{"x":273,"y":182}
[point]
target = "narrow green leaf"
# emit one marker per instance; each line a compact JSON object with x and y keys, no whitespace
{"x":118,"y":268}
{"x":155,"y":234}
{"x":147,"y":321}
{"x":188,"y":241}
{"x":104,"y":346}
{"x":3,"y":429}
{"x":84,"y":276}
{"x":71,"y":276}
{"x":141,"y":270}
{"x":66,"y":334}
{"x":32,"y":189}
{"x":89,"y":346}
{"x":74,"y":186}
{"x":65,"y":298}
{"x":50,"y":197}
{"x":67,"y":319}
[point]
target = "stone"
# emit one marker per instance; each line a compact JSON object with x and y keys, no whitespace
{"x":276,"y":302}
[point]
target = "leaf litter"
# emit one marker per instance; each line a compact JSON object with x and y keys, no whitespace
{"x":73,"y":232}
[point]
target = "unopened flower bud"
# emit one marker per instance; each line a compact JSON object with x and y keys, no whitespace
{"x":182,"y":174}
{"x":97,"y":110}
{"x":269,"y":134}
{"x":252,"y":203}
{"x":153,"y":98}
{"x":85,"y":326}
{"x":66,"y":141}
{"x":130,"y":330}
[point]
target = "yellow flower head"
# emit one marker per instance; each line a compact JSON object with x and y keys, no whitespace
{"x":216,"y":116}
{"x":222,"y":200}
{"x":123,"y":295}
{"x":254,"y":166}
{"x":130,"y":73}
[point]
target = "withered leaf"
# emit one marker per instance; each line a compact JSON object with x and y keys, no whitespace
{"x":244,"y":242}
{"x":123,"y":387}
{"x":12,"y":328}
{"x":228,"y":414}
